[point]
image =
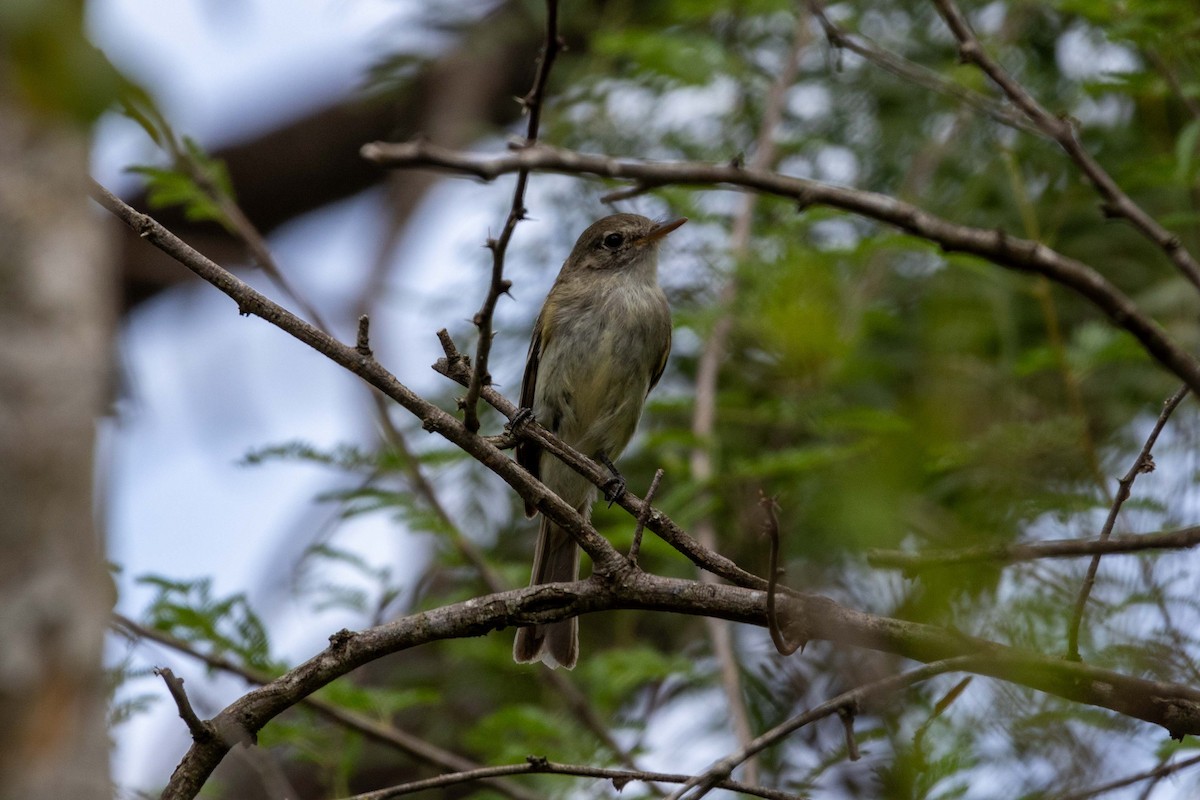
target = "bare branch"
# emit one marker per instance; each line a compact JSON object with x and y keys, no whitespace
{"x":532,"y":103}
{"x":540,"y":766}
{"x":1181,"y":539}
{"x":1143,"y":463}
{"x":1062,"y":130}
{"x":997,"y":246}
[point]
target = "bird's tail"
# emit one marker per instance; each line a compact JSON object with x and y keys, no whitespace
{"x":555,"y":560}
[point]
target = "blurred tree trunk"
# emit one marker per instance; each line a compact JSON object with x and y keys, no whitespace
{"x":57,"y":301}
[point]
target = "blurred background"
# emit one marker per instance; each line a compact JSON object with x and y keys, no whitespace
{"x":255,"y":498}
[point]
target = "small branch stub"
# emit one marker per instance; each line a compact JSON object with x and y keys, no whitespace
{"x":201,"y":731}
{"x":363,"y":341}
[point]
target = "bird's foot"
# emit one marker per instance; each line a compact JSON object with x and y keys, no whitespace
{"x":519,"y":420}
{"x":614,"y":487}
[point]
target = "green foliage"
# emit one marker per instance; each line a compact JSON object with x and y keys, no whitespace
{"x":197,"y":182}
{"x":225,"y":626}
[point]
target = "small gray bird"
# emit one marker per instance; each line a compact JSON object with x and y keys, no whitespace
{"x":599,"y":346}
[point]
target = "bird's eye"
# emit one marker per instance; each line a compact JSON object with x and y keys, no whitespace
{"x":613,"y":240}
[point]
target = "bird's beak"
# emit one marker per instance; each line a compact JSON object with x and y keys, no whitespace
{"x":661,"y":230}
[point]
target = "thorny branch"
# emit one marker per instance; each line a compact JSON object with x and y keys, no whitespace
{"x":1143,"y":463}
{"x":532,"y":103}
{"x":997,"y":246}
{"x":1062,"y":130}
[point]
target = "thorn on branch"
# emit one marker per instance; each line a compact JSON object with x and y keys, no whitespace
{"x":363,"y":341}
{"x":339,"y":640}
{"x":201,"y":731}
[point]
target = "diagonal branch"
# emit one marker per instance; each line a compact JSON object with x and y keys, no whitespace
{"x":532,"y":103}
{"x":997,"y":246}
{"x":1061,"y":130}
{"x":1143,"y":463}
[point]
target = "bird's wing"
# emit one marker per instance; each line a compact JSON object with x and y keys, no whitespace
{"x":662,"y":359}
{"x":529,"y":454}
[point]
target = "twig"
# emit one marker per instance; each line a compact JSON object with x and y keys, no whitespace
{"x":996,"y":246}
{"x":1157,"y":773}
{"x":376,"y":731}
{"x":1062,"y":130}
{"x":701,"y":785}
{"x":532,"y":103}
{"x":914,"y":73}
{"x":1181,"y":539}
{"x":636,"y":547}
{"x":540,"y":766}
{"x":846,"y":714}
{"x":774,"y":573}
{"x":1143,"y":463}
{"x":201,"y":731}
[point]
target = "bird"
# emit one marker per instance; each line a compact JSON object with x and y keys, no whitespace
{"x":599,"y":345}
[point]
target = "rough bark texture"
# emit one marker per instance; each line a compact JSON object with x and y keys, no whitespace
{"x":57,"y":296}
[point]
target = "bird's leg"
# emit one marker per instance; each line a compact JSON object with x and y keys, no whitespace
{"x":614,"y":487}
